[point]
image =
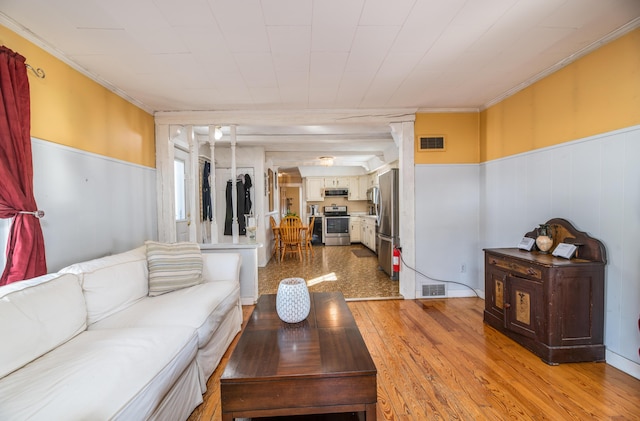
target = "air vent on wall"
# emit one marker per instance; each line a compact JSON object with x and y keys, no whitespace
{"x":431,"y":143}
{"x":434,"y":291}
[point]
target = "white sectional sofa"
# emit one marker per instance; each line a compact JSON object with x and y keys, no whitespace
{"x":90,"y":343}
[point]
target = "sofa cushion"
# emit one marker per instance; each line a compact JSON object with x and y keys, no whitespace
{"x":36,"y":316}
{"x":113,"y":282}
{"x":173,"y":266}
{"x":100,"y":375}
{"x":200,"y":307}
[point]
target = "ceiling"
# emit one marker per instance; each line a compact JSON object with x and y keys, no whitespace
{"x":356,"y":55}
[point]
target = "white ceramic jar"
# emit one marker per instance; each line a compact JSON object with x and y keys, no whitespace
{"x":292,"y":300}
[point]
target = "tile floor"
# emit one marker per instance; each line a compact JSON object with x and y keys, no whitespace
{"x":332,"y":268}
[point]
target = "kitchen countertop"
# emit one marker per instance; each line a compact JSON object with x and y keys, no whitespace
{"x":353,"y":214}
{"x":363,"y":215}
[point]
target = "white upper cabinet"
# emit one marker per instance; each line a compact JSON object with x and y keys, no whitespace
{"x":314,"y":189}
{"x":363,"y":186}
{"x":336,"y":181}
{"x":358,"y":187}
{"x":354,"y":188}
{"x":373,"y":179}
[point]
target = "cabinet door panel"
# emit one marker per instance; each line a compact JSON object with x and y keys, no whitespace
{"x":496,"y":292}
{"x":314,"y":189}
{"x":577,"y":311}
{"x":523,"y":312}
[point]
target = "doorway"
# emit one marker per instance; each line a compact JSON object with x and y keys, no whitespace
{"x":290,"y":199}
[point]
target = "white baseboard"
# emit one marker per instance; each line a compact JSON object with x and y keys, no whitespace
{"x":461,"y":293}
{"x":624,"y":364}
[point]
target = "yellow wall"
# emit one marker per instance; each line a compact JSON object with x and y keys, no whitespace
{"x":70,"y":109}
{"x":596,"y":94}
{"x":461,"y":132}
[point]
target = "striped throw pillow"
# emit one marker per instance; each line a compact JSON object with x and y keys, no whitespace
{"x":173,"y":266}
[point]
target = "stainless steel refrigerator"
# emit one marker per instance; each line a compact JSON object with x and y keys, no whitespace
{"x":388,"y":221}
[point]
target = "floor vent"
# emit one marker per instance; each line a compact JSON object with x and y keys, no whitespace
{"x":434,"y":291}
{"x":431,"y":143}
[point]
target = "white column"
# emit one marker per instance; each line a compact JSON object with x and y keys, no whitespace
{"x":212,"y":184}
{"x":235,"y":228}
{"x":192,"y":185}
{"x":403,"y":135}
{"x":165,"y":190}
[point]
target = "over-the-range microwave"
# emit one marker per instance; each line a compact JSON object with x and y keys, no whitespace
{"x":336,"y":192}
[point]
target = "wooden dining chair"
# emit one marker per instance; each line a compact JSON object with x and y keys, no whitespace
{"x":308,"y":236}
{"x":290,"y":236}
{"x":276,"y":238}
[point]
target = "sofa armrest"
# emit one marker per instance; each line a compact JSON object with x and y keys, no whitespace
{"x":221,"y":267}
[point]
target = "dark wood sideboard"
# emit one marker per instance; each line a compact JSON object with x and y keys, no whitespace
{"x":550,"y":305}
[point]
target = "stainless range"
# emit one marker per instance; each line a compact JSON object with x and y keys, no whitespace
{"x":336,"y":226}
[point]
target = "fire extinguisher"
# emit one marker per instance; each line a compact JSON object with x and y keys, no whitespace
{"x":396,"y":259}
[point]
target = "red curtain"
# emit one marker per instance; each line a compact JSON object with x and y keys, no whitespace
{"x":25,"y":247}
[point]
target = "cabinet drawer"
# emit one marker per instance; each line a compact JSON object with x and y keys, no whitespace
{"x":516,"y":267}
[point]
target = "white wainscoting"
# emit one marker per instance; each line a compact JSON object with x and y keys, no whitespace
{"x":595,"y":184}
{"x":446,"y":228}
{"x":94,"y":205}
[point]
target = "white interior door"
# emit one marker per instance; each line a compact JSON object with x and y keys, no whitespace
{"x":183,"y":213}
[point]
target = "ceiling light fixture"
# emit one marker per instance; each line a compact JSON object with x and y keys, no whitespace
{"x":175,"y":132}
{"x":326,"y":161}
{"x":217,"y":133}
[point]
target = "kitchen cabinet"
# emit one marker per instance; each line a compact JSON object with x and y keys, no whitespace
{"x":368,"y":233}
{"x":336,"y":182}
{"x":354,"y":189}
{"x":371,"y":234}
{"x":355,"y":227}
{"x":552,"y":306}
{"x":314,"y":187}
{"x":373,"y":179}
{"x":358,"y":187}
{"x":363,"y":186}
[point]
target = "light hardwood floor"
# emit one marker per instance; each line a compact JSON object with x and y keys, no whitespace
{"x":436,"y":360}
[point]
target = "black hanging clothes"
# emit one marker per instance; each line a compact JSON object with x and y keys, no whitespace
{"x":228,"y":221}
{"x":207,"y":211}
{"x":247,"y":193}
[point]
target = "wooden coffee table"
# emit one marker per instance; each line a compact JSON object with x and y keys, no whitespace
{"x":318,"y":366}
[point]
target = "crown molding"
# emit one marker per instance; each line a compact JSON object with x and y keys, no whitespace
{"x":448,"y":110}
